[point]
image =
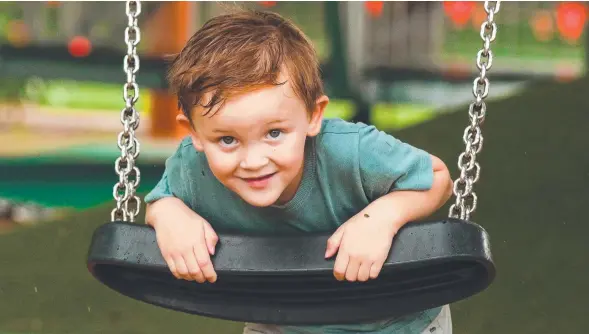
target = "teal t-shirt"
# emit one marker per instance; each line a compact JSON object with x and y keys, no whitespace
{"x":347,"y":166}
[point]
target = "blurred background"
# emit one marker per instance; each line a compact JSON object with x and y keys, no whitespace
{"x":406,"y":67}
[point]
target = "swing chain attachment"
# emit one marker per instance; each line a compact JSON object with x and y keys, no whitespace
{"x":129,"y":204}
{"x":466,"y":199}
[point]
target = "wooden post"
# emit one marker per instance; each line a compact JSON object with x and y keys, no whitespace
{"x":167,"y":32}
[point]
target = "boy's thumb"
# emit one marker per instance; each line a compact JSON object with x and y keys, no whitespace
{"x":333,"y":242}
{"x":211,"y":238}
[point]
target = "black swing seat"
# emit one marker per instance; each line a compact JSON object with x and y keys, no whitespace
{"x":286,"y":280}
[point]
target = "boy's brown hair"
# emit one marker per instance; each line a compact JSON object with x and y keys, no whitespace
{"x":241,"y":51}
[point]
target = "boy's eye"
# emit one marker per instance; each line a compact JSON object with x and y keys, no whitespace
{"x":227,"y":140}
{"x":274,"y":133}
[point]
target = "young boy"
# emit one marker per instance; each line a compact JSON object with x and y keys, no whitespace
{"x":260,"y":157}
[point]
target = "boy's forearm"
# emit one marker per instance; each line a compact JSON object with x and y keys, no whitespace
{"x":158,"y":208}
{"x":400,"y":207}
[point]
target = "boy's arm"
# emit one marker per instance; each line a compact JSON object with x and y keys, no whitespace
{"x":401,"y":183}
{"x":161,"y":193}
{"x":156,"y":211}
{"x":401,"y":180}
{"x":402,"y":206}
{"x":185,"y":239}
{"x":167,"y":190}
{"x":161,"y":190}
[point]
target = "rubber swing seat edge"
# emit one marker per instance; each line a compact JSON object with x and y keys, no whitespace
{"x":285,"y":280}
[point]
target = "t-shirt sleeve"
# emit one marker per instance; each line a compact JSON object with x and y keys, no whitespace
{"x":388,"y":164}
{"x":169,"y":184}
{"x":161,"y":189}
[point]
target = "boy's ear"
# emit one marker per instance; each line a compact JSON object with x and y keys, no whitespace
{"x":187,"y":126}
{"x":317,"y":116}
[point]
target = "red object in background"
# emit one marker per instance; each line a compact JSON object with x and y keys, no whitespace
{"x":79,"y":46}
{"x":479,"y":15}
{"x":570,"y":20}
{"x":374,"y":8}
{"x":268,"y":4}
{"x":459,"y":12}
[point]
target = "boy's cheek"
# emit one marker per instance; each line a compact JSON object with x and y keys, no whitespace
{"x":221,"y":165}
{"x":289,"y":156}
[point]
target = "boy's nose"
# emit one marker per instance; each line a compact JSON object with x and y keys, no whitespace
{"x":254,"y":160}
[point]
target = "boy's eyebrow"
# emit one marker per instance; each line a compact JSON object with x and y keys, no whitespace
{"x":276,"y":121}
{"x":280,"y":120}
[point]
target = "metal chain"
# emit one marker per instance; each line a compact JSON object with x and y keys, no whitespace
{"x":128,"y":204}
{"x":466,"y":199}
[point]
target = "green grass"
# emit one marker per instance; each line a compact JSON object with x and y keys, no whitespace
{"x":399,"y":116}
{"x":532,"y":199}
{"x":81,"y":95}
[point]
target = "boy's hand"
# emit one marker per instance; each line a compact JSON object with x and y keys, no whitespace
{"x":363,"y":245}
{"x":186,"y":241}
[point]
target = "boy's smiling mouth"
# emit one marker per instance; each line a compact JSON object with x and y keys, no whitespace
{"x":259,"y":181}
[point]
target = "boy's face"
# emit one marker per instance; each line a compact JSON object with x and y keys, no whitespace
{"x":255,"y":144}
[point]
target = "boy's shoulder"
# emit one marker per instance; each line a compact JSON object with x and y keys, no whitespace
{"x":340,"y":129}
{"x":185,"y":142}
{"x":341,"y":137}
{"x":183,"y":156}
{"x":340,"y":126}
{"x":186,"y":149}
{"x":338,"y":146}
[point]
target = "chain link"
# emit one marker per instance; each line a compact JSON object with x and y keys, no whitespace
{"x":466,"y":199}
{"x":128,"y":204}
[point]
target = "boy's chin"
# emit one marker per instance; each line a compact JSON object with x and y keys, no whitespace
{"x":260,"y":199}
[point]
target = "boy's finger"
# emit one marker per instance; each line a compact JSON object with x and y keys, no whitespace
{"x":181,"y":268}
{"x":204,"y":262}
{"x":364,"y":271}
{"x":334,"y":242}
{"x":172,"y":267}
{"x":375,"y":269}
{"x":340,"y":266}
{"x":352,"y":270}
{"x":211,"y":238}
{"x":193,"y":269}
